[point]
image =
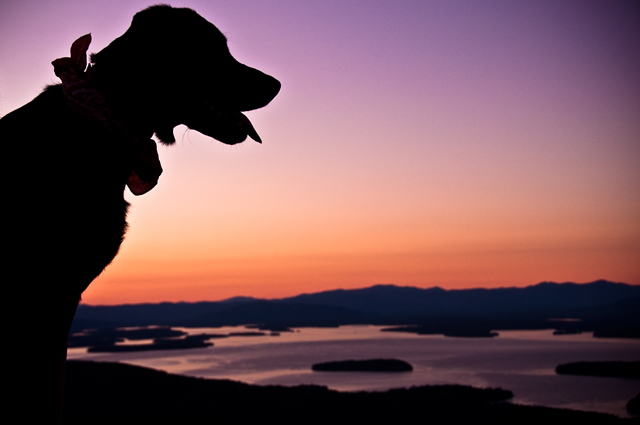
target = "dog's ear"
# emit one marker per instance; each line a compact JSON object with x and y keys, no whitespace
{"x":126,"y":73}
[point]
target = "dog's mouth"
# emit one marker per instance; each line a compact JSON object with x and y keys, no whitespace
{"x":222,"y":118}
{"x":225,"y":125}
{"x":217,"y":111}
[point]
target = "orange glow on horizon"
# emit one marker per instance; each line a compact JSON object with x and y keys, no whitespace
{"x":140,"y":281}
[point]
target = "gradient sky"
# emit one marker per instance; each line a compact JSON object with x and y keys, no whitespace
{"x":426,"y":143}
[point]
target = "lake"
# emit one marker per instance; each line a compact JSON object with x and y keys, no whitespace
{"x":521,"y":361}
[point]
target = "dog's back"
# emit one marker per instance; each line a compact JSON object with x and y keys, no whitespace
{"x":64,"y":220}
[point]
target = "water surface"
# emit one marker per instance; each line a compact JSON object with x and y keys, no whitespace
{"x":521,"y":361}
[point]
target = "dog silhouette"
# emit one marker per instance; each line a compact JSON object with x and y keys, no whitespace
{"x":70,"y":153}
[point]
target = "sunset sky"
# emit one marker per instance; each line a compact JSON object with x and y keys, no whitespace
{"x":425,"y":143}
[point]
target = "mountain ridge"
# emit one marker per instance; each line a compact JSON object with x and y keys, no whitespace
{"x":599,"y":304}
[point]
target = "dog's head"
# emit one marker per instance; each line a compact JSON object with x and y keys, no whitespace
{"x":173,"y":67}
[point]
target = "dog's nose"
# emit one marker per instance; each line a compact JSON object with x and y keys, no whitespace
{"x":272,"y":88}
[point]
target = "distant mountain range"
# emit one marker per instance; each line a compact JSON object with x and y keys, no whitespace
{"x":600,"y":306}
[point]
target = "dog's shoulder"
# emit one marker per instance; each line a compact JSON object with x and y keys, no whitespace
{"x":49,"y":100}
{"x":33,"y":125}
{"x":26,"y":134}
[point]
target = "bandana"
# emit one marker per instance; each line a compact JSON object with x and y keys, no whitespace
{"x":75,"y":74}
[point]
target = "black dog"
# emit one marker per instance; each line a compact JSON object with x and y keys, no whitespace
{"x":68,"y":156}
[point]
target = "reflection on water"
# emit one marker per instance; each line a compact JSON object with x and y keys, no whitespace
{"x":521,"y":361}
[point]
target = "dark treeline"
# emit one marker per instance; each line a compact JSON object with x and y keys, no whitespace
{"x":106,"y":393}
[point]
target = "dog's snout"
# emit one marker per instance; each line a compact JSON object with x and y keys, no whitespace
{"x":269,"y":89}
{"x":254,"y":89}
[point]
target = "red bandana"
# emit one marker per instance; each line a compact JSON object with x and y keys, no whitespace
{"x":77,"y":87}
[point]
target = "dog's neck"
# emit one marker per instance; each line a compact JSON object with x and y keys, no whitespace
{"x":90,"y":99}
{"x":123,"y":104}
{"x":134,"y":101}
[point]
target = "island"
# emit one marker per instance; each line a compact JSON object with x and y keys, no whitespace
{"x":109,"y":336}
{"x":373,"y":365}
{"x":110,"y":340}
{"x":191,"y":341}
{"x":468,"y":331}
{"x":629,"y":370}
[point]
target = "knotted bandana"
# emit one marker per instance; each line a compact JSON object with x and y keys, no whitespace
{"x":76,"y":76}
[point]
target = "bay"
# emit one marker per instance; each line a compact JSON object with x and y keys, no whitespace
{"x":521,"y":361}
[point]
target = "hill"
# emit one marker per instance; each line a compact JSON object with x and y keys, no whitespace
{"x":608,"y":308}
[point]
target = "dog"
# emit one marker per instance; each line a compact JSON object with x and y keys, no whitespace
{"x":69,"y":155}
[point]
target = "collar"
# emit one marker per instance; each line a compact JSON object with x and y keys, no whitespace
{"x":75,"y":74}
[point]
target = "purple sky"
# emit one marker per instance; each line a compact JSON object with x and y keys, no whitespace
{"x":451,"y":143}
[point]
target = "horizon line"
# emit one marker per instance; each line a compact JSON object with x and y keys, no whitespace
{"x":362,"y":288}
